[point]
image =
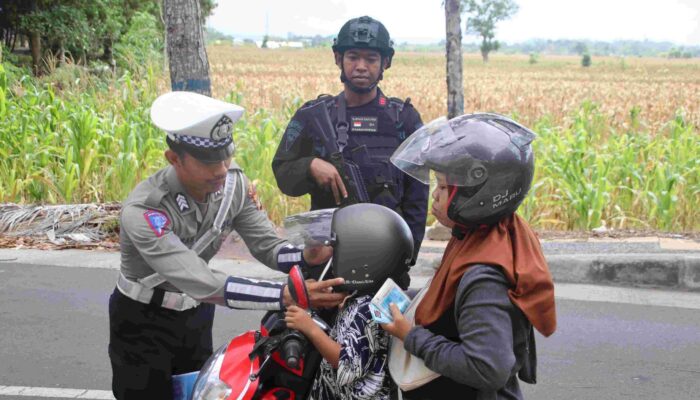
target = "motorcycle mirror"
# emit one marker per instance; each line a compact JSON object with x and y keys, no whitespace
{"x":297,"y":287}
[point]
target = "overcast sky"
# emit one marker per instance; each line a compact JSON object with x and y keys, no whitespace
{"x":421,"y":21}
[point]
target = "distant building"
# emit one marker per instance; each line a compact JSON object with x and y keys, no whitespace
{"x":274,"y":44}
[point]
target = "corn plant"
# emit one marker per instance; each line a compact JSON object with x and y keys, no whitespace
{"x":615,"y":145}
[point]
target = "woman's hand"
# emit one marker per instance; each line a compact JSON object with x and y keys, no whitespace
{"x":297,"y":318}
{"x":400,"y":327}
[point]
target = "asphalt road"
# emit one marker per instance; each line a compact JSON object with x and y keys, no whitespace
{"x":53,"y":334}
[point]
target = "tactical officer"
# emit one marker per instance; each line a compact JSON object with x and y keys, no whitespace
{"x":162,"y":309}
{"x":365,"y":128}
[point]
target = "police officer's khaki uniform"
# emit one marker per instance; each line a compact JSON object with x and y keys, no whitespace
{"x":165,"y":250}
{"x":162,"y":309}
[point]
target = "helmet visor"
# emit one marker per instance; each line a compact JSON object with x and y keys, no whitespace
{"x":437,"y":147}
{"x":312,"y":228}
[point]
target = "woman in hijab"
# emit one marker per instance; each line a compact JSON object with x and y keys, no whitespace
{"x":474,"y":325}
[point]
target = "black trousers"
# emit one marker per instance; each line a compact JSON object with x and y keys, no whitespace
{"x":148,"y":344}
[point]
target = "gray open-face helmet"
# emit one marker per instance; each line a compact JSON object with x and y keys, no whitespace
{"x":487,"y":157}
{"x":370,"y":243}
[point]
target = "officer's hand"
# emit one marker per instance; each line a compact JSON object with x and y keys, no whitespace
{"x":316,"y":255}
{"x":320,"y":293}
{"x":326,"y":176}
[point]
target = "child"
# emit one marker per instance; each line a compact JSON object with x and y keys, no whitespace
{"x":354,"y":355}
{"x":371,"y":244}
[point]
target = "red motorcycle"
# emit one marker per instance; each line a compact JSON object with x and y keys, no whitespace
{"x":272,"y":363}
{"x":370,"y":243}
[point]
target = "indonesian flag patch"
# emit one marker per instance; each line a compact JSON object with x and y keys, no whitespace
{"x":157,"y":220}
{"x":364,"y":124}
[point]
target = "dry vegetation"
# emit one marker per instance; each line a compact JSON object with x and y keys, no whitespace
{"x":618,"y":141}
{"x":556,"y":86}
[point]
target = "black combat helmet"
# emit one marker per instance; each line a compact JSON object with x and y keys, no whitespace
{"x":364,"y":33}
{"x":487,"y":157}
{"x":370,"y":243}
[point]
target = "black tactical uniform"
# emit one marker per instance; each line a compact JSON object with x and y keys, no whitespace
{"x":376,"y":130}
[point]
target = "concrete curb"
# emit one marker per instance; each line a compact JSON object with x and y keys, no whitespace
{"x":679,"y":271}
{"x":675,"y":271}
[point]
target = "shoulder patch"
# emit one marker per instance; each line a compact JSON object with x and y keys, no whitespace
{"x":157,"y":220}
{"x":182,"y":202}
{"x":292,"y":133}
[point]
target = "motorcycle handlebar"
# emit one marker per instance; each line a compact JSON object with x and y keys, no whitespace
{"x":292,"y":350}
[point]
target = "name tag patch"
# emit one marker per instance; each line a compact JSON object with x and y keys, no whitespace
{"x":157,"y":220}
{"x":363,"y":124}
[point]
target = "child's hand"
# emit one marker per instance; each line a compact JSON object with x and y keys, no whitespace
{"x":400,"y":326}
{"x":297,"y":318}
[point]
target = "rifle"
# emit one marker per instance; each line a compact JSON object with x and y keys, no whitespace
{"x":349,"y":172}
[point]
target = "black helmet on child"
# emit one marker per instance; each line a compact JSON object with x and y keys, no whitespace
{"x":487,"y":157}
{"x":364,"y":33}
{"x":370,"y":243}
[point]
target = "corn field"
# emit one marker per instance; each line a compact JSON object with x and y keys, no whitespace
{"x":617,"y":143}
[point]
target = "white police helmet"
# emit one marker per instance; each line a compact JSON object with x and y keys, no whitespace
{"x":197,"y":124}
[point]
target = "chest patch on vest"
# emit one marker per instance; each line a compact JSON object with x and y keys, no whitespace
{"x":364,"y":124}
{"x":157,"y":221}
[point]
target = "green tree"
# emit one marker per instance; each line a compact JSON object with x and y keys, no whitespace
{"x":586,"y":60}
{"x":482,"y":17}
{"x":84,"y":29}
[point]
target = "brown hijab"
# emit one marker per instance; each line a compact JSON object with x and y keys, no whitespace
{"x":510,"y":244}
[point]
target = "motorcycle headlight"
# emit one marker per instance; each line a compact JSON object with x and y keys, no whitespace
{"x":209,"y":386}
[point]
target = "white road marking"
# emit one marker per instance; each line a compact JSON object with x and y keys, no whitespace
{"x":55,"y":393}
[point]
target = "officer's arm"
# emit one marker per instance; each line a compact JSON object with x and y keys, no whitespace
{"x":165,"y":253}
{"x":259,"y":235}
{"x":258,"y":232}
{"x":414,"y":203}
{"x":293,"y":159}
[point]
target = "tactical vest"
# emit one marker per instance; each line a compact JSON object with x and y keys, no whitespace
{"x":371,"y":150}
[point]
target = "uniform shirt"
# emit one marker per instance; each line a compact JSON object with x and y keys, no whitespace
{"x":362,"y":367}
{"x":159,"y":224}
{"x":372,"y":138}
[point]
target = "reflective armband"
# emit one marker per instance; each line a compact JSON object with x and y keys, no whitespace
{"x":288,"y":257}
{"x":253,"y":294}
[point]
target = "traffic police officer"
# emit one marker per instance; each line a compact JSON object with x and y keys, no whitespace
{"x":369,"y":127}
{"x":172,"y":224}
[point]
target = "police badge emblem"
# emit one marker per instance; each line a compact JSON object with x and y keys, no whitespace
{"x":222,"y":129}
